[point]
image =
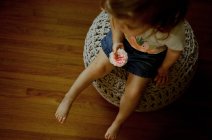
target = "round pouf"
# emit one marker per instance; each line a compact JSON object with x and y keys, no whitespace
{"x":112,"y":86}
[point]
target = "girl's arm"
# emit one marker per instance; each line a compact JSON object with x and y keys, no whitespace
{"x":117,"y":35}
{"x":171,"y":57}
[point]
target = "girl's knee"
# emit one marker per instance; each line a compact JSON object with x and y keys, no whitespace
{"x":100,"y":69}
{"x":136,"y":85}
{"x":133,"y":95}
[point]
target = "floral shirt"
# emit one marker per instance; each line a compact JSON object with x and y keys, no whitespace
{"x":155,"y":43}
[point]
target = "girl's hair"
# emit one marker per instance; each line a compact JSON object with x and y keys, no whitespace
{"x":161,"y":15}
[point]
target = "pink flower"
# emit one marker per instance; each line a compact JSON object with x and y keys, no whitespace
{"x":120,"y":59}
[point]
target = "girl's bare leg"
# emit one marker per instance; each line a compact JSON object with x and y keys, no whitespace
{"x":133,"y":91}
{"x":97,"y":69}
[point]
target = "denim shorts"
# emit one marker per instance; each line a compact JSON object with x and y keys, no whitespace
{"x":139,"y":63}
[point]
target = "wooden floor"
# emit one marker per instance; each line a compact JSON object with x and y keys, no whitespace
{"x":41,"y":44}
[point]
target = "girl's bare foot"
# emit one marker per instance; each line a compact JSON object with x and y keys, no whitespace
{"x":112,"y":132}
{"x":63,"y":109}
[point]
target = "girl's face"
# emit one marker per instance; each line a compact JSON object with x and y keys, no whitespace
{"x":130,"y":27}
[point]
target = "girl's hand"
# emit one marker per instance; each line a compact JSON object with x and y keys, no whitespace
{"x":118,"y":57}
{"x":117,"y":46}
{"x":162,"y":76}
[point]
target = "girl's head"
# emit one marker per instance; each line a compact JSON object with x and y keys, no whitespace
{"x":161,"y":15}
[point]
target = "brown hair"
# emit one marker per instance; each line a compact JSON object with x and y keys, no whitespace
{"x":161,"y":15}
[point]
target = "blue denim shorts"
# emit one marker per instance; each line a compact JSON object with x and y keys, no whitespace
{"x":139,"y":63}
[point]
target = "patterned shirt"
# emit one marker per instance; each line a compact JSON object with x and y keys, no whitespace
{"x":154,"y":43}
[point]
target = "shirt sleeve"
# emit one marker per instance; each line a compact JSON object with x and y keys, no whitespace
{"x":176,"y":39}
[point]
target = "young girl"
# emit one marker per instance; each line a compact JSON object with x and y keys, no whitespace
{"x":152,"y":34}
